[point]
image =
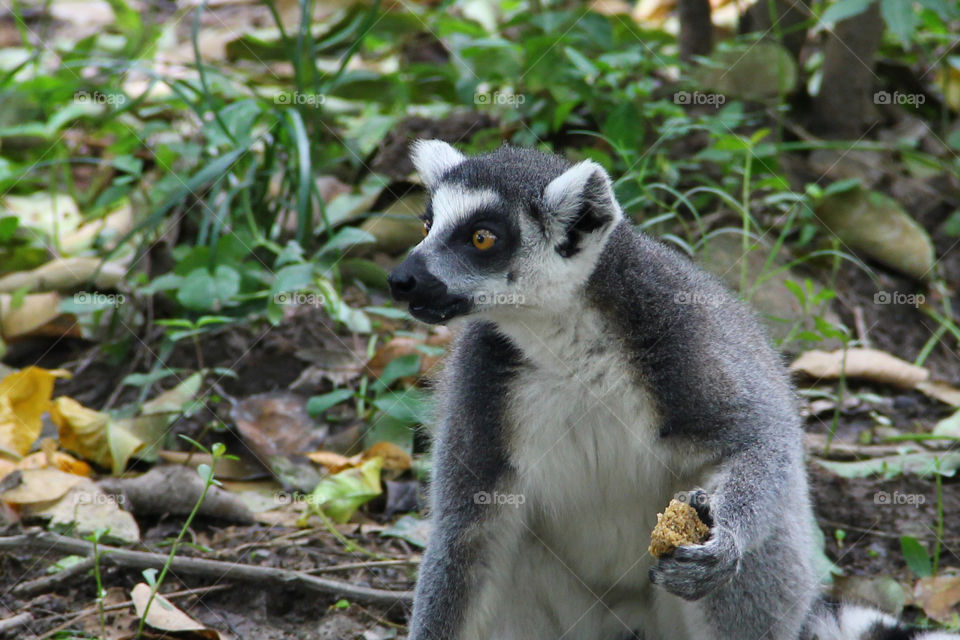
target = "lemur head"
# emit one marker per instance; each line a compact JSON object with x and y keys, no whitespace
{"x":508,"y":232}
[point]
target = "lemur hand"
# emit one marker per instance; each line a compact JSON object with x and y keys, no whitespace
{"x":693,"y":571}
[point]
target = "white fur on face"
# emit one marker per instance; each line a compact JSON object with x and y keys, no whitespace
{"x":433,"y":158}
{"x":452,"y":204}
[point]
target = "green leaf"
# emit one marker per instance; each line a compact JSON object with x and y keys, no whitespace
{"x":948,"y":427}
{"x":916,"y":556}
{"x":412,"y":529}
{"x":150,"y":575}
{"x":341,"y":494}
{"x":410,"y":406}
{"x":318,"y":404}
{"x":843,"y":9}
{"x":348,"y":237}
{"x":293,"y":277}
{"x":952,"y":225}
{"x":841,"y":185}
{"x":624,"y":127}
{"x":900,"y":17}
{"x":210,"y":172}
{"x":942,"y":8}
{"x":206,"y":473}
{"x":166,"y":282}
{"x":797,"y":291}
{"x":386,"y":428}
{"x":205,"y":291}
{"x":581,"y":62}
{"x":402,"y":367}
{"x":923,"y":463}
{"x":387,"y":312}
{"x":8,"y":226}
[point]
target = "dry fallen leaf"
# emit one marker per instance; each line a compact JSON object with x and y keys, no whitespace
{"x":93,"y":435}
{"x":164,"y":616}
{"x":406,"y":346}
{"x":940,"y":391}
{"x":277,"y":423}
{"x":65,"y":273}
{"x":938,"y":596}
{"x":85,"y":509}
{"x":878,"y":366}
{"x":394,"y":458}
{"x":334,"y":462}
{"x":867,"y":364}
{"x":24,"y":398}
{"x":38,"y":314}
{"x":49,"y":458}
{"x":40,"y":485}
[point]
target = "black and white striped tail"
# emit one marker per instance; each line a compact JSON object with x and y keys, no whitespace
{"x":850,"y":622}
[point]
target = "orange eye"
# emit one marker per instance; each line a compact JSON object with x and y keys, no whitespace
{"x":483,"y":239}
{"x":426,"y":228}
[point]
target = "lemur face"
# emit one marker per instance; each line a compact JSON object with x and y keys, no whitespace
{"x":505,"y":234}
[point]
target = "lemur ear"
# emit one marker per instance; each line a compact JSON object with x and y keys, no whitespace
{"x":579,"y":202}
{"x":433,"y":158}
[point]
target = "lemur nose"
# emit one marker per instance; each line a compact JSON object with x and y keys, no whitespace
{"x":401,"y":283}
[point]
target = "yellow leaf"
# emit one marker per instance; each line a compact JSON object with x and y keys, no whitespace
{"x":40,"y":485}
{"x":24,"y":397}
{"x":334,"y":462}
{"x":394,"y":458}
{"x":49,"y":458}
{"x":93,"y":435}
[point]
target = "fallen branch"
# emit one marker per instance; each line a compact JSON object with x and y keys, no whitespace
{"x":15,"y":622}
{"x":818,"y":445}
{"x":51,"y":582}
{"x":365,"y":565}
{"x":217,"y":569}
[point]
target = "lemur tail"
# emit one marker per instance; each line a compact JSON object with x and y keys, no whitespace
{"x":831,"y":621}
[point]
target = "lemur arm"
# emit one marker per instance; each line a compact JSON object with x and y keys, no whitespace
{"x":468,"y":461}
{"x":744,"y":498}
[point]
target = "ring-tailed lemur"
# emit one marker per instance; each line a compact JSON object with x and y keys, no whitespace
{"x":599,"y":374}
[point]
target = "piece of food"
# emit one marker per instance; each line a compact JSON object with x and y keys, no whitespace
{"x":677,"y":526}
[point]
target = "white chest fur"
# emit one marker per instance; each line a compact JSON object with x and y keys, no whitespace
{"x":583,"y":439}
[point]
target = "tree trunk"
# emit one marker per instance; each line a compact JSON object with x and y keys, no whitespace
{"x":844,"y":103}
{"x":696,"y":28}
{"x":782,"y":19}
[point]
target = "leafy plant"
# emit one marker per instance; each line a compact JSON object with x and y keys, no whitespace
{"x":216,"y":452}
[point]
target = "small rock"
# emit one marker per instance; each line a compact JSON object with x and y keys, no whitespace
{"x":876,"y":226}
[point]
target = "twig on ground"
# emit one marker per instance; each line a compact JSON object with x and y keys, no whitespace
{"x":217,"y":569}
{"x":364,"y":565}
{"x":877,"y":532}
{"x":15,"y":622}
{"x":51,"y":582}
